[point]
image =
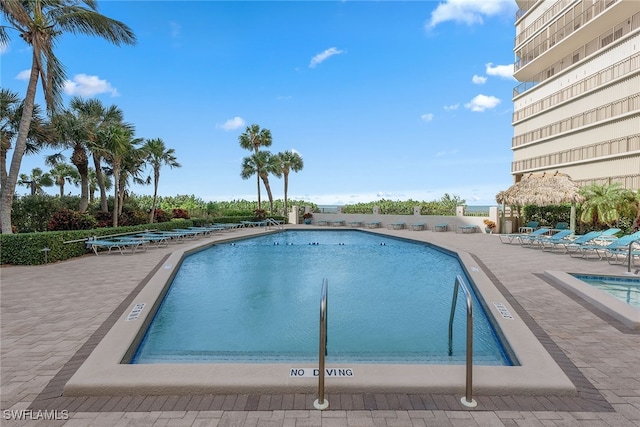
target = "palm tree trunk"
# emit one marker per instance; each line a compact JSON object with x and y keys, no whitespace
{"x":265,"y":179}
{"x":97,"y":164}
{"x":156,"y":178}
{"x":258,"y":179}
{"x":286,"y":189}
{"x":9,"y":187}
{"x":116,"y":188}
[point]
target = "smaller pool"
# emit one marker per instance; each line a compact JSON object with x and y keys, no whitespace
{"x":626,"y":289}
{"x":618,"y":296}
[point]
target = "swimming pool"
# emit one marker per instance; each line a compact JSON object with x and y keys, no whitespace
{"x":107,"y":371}
{"x":626,"y":289}
{"x":257,"y":300}
{"x":608,"y":293}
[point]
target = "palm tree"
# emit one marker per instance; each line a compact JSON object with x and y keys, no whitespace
{"x":93,"y":184}
{"x":11,"y":107}
{"x":252,"y":139}
{"x":72,"y":131}
{"x":132,"y":169}
{"x":63,"y":173}
{"x":288,"y":161}
{"x":96,"y":116}
{"x":260,"y":164}
{"x":604,"y":204}
{"x":36,"y":181}
{"x":156,"y":154}
{"x":41,"y":24}
{"x":117,"y":143}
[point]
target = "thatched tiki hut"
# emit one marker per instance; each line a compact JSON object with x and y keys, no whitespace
{"x":543,"y":190}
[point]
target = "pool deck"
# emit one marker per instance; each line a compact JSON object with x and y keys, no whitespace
{"x":53,"y":315}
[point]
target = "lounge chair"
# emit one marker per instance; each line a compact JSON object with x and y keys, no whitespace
{"x":561,"y":226}
{"x":355,"y":224}
{"x":599,"y":250}
{"x":569,"y":241}
{"x":419,"y":226}
{"x":441,"y":227}
{"x":529,"y":227}
{"x":337,"y":223}
{"x":516,"y":236}
{"x":540,"y":241}
{"x":121,"y":245}
{"x":466,"y":229}
{"x":373,"y":224}
{"x":396,"y":226}
{"x":620,"y":254}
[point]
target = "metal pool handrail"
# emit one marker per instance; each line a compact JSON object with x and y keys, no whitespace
{"x":467,"y":400}
{"x":321,"y":403}
{"x":630,"y":252}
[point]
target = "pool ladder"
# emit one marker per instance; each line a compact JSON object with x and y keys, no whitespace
{"x":321,"y":403}
{"x":467,"y":400}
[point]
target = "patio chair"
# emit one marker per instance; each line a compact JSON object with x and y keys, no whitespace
{"x":529,"y":227}
{"x":516,"y":236}
{"x":569,"y":241}
{"x":600,"y":250}
{"x":539,"y":241}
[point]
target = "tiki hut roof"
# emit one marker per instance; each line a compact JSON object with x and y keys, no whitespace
{"x":541,"y":190}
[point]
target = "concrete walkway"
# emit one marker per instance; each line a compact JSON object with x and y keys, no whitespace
{"x":52,"y":315}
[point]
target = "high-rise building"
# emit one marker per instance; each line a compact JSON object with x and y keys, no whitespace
{"x":577,"y":106}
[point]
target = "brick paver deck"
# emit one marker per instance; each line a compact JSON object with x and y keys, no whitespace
{"x":52,"y":316}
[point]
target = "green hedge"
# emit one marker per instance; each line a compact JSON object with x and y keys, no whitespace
{"x":26,"y":248}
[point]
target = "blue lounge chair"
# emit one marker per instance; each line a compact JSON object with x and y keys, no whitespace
{"x":599,"y":250}
{"x":529,"y":227}
{"x":540,"y":241}
{"x":516,"y":236}
{"x":373,"y":224}
{"x":396,"y":226}
{"x":419,"y":226}
{"x":441,"y":227}
{"x":121,"y":245}
{"x":570,"y":241}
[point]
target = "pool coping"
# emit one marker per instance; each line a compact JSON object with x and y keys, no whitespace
{"x":102,"y":374}
{"x":625,"y":313}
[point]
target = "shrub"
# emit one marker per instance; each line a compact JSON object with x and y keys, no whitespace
{"x":180,"y":213}
{"x":162,"y":216}
{"x":260,"y":214}
{"x":67,"y":219}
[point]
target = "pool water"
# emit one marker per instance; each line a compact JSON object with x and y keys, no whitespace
{"x":258,"y":300}
{"x":626,"y":289}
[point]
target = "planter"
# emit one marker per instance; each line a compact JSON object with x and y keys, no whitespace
{"x":307,"y":221}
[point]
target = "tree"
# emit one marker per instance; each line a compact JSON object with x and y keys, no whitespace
{"x":156,"y":154}
{"x":63,"y":173}
{"x":604,"y":204}
{"x":117,"y":143}
{"x":261,"y":164}
{"x":41,"y":25}
{"x":252,"y":139}
{"x":288,"y":161}
{"x":93,"y":184}
{"x":96,"y":116}
{"x":11,"y":107}
{"x":36,"y":181}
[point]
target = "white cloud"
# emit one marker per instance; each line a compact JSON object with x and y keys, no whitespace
{"x":323,"y":56}
{"x":427,"y":117}
{"x":24,"y":74}
{"x":469,"y":11}
{"x":482,"y":102}
{"x":232,"y":124}
{"x":503,"y":71}
{"x":451,"y":107}
{"x":87,"y":86}
{"x":479,"y":80}
{"x":4,"y":48}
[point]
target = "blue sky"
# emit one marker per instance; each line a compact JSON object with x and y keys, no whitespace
{"x":384,"y":99}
